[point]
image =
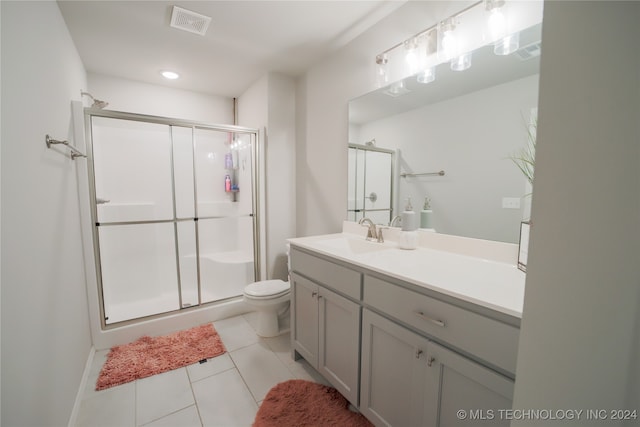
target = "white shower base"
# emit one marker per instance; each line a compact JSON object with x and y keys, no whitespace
{"x":223,"y":275}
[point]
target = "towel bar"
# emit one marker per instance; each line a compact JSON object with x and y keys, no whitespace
{"x":411,"y":175}
{"x":74,"y":151}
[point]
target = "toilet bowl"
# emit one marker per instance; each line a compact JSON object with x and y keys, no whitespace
{"x":270,"y":299}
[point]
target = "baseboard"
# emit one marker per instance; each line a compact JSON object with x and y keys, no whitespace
{"x":73,"y":419}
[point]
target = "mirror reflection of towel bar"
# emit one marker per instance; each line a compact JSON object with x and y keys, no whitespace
{"x":411,"y":175}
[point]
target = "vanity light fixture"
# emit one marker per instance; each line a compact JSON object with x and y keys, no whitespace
{"x":411,"y":57}
{"x":507,"y":45}
{"x":504,"y":42}
{"x":382,"y":70}
{"x":462,"y":62}
{"x":427,"y":75}
{"x":448,"y":44}
{"x":397,"y":89}
{"x":452,"y":40}
{"x":496,"y":21}
{"x":170,"y":75}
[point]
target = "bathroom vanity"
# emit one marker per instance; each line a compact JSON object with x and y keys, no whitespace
{"x":410,"y":337}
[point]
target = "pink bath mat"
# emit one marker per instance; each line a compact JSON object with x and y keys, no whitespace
{"x":305,"y":403}
{"x":153,"y":355}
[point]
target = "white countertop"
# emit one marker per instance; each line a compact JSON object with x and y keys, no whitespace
{"x":496,"y":285}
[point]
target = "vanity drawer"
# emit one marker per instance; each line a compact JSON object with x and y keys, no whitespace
{"x":490,"y":340}
{"x":328,"y":274}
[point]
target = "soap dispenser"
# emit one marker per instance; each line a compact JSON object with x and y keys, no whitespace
{"x":425,"y":214}
{"x":408,"y":217}
{"x":408,"y":238}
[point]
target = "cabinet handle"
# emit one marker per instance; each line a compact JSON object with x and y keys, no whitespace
{"x":418,"y":353}
{"x":430,"y":361}
{"x":314,"y":294}
{"x":429,"y":319}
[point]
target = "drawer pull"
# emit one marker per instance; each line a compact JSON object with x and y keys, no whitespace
{"x":429,"y":319}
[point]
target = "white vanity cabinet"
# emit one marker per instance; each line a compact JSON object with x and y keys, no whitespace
{"x":326,"y":325}
{"x":411,"y":380}
{"x":408,"y":380}
{"x":461,"y":384}
{"x":403,"y":353}
{"x":394,"y":381}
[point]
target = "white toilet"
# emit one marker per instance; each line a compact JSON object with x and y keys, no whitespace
{"x":270,"y":299}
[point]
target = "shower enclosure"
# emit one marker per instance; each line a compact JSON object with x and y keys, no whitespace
{"x":174,"y":213}
{"x":370,"y":185}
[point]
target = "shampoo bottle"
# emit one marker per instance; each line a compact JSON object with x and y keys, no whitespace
{"x":227,"y":183}
{"x":425,"y":214}
{"x":408,"y":238}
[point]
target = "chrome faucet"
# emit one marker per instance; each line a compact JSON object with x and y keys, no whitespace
{"x":395,"y":220}
{"x":372,"y":233}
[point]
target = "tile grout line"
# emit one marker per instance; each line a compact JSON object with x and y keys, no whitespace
{"x":193,"y":393}
{"x":242,"y":377}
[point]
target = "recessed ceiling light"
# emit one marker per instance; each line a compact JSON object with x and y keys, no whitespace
{"x":170,"y":75}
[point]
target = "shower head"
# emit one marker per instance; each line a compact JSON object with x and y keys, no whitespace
{"x":96,"y":102}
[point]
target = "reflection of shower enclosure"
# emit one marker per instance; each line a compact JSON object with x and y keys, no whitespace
{"x":370,"y":186}
{"x":174,"y":213}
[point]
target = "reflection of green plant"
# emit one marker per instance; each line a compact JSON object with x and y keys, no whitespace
{"x":526,"y":157}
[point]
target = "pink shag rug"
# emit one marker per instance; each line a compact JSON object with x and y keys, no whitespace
{"x":149,"y":356}
{"x":304,"y":403}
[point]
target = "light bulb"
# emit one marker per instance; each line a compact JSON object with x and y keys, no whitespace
{"x":411,"y":57}
{"x":497,"y":24}
{"x":397,"y":88}
{"x":427,"y":75}
{"x":461,"y":62}
{"x":507,"y":45}
{"x":382,"y":70}
{"x":447,"y":40}
{"x":412,"y":61}
{"x":449,"y":44}
{"x":170,"y":75}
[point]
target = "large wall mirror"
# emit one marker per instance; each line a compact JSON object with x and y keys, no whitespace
{"x":468,"y":124}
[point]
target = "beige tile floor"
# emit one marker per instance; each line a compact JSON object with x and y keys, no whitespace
{"x":226,"y":391}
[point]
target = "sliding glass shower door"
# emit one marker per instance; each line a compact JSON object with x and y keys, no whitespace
{"x":370,"y":184}
{"x":174,"y":214}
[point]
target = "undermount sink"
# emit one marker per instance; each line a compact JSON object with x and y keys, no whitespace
{"x":352,"y":246}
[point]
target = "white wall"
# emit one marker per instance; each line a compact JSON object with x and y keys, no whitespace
{"x":45,"y":327}
{"x":270,"y":103}
{"x":470,"y":137}
{"x":579,"y":341}
{"x":143,"y":98}
{"x":322,"y":100}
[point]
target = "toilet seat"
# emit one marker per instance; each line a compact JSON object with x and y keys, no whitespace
{"x":267,"y":289}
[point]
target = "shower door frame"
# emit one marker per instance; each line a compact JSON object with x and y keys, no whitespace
{"x":169,"y":122}
{"x":392,"y":181}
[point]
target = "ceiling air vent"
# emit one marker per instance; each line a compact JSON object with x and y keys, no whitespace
{"x":187,"y":20}
{"x":529,"y":51}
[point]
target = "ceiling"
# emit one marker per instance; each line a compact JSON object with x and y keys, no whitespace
{"x":245,"y":40}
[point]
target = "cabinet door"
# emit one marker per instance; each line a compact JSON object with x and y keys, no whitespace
{"x":304,"y":319}
{"x":339,"y":343}
{"x":394,"y":373}
{"x":468,"y":386}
